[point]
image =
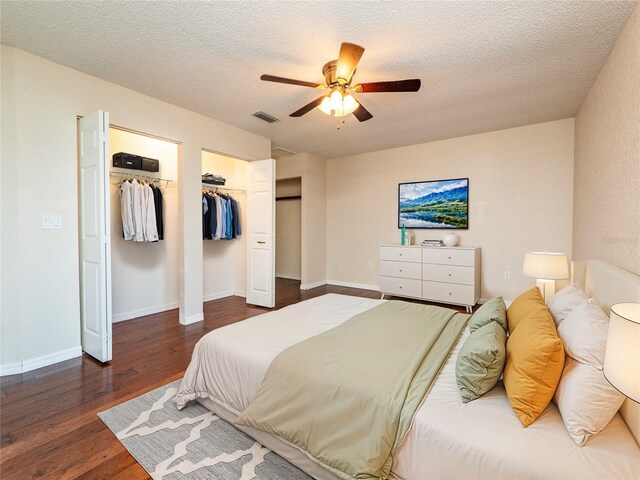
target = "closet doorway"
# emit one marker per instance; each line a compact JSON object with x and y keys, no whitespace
{"x":144,"y":274}
{"x":124,"y":276}
{"x":224,"y":255}
{"x":289,"y":230}
{"x":242,"y":261}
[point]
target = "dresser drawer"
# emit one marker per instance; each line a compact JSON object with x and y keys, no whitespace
{"x":401,"y":269}
{"x":448,"y":273}
{"x":401,"y":254}
{"x":448,"y":256}
{"x":448,"y":293}
{"x":405,"y":287}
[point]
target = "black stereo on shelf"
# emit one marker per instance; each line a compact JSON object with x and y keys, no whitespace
{"x":150,"y":164}
{"x":135,"y":162}
{"x":127,"y":160}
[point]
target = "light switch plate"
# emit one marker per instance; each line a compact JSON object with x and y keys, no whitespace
{"x":51,"y":222}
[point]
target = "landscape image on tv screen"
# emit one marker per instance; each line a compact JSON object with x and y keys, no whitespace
{"x":436,"y":204}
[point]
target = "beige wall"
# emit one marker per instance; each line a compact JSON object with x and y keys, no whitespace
{"x":606,"y":199}
{"x":313,"y":171}
{"x":40,"y":309}
{"x":289,"y":229}
{"x":520,"y":200}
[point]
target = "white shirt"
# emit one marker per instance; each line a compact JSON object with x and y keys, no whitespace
{"x":137,"y":199}
{"x":149,"y":215}
{"x":126,"y":211}
{"x":219,"y":231}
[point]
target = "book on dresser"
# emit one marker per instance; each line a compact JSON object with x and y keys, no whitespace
{"x":444,"y":274}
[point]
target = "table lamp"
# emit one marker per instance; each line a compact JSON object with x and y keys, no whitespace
{"x":622,"y":358}
{"x":546,"y":268}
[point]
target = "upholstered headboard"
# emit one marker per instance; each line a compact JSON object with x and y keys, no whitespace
{"x":609,"y":285}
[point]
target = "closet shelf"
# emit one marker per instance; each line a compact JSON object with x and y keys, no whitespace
{"x":289,"y":197}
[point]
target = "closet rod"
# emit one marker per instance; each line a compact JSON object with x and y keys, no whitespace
{"x":146,"y":178}
{"x":215,"y":188}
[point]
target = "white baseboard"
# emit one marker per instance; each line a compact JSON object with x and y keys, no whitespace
{"x":240,"y":293}
{"x":363,"y":286}
{"x":195,"y":318}
{"x":10,"y":369}
{"x":288,"y":277}
{"x":217,"y":296}
{"x":39,"y":362}
{"x":309,"y":286}
{"x":122,"y":317}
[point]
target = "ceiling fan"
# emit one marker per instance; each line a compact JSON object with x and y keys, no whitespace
{"x":338,"y":75}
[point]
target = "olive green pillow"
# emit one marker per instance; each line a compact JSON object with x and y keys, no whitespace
{"x":481,"y":361}
{"x":492,"y":311}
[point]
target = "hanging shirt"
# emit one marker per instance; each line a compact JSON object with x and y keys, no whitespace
{"x":205,"y":217}
{"x":236,"y":218}
{"x":149,"y":215}
{"x":219,"y":218}
{"x":137,"y":200}
{"x":126,"y":211}
{"x":157,"y":201}
{"x":213,"y":220}
{"x":229,"y":225}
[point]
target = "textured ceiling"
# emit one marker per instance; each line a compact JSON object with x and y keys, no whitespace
{"x":484,"y":65}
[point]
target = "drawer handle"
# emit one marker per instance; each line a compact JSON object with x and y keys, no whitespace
{"x":400,"y":270}
{"x":449,"y":274}
{"x":401,"y":255}
{"x":449,"y":293}
{"x":449,"y":258}
{"x":261,"y":242}
{"x":400,"y":286}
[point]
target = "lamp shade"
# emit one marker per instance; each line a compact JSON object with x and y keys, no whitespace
{"x":622,"y":358}
{"x":546,"y":265}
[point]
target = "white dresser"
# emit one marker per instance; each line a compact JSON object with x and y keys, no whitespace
{"x":437,"y":274}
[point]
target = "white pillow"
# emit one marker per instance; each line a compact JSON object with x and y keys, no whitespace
{"x":584,"y":334}
{"x":587,"y":402}
{"x":566,"y":300}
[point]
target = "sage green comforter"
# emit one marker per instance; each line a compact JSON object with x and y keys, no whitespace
{"x":348,"y":396}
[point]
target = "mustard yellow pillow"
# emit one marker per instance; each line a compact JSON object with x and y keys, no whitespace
{"x":529,"y":302}
{"x":535,"y":358}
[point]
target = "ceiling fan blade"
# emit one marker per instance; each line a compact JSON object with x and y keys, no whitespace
{"x":362,"y":114}
{"x":412,"y":85}
{"x":307,"y":108}
{"x":289,"y":81}
{"x":350,"y":55}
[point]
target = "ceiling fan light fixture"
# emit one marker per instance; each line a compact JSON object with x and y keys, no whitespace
{"x":338,"y":103}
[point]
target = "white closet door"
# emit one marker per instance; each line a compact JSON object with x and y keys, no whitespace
{"x":261,"y":216}
{"x":95,"y":246}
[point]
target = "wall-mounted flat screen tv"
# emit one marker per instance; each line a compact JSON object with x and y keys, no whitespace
{"x":434,"y":204}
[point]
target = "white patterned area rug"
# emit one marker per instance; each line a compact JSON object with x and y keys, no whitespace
{"x":191,"y":444}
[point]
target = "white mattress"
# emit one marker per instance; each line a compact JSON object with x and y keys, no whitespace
{"x":482,"y":439}
{"x":485,"y":439}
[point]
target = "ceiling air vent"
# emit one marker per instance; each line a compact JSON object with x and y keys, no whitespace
{"x":264,"y":116}
{"x":279,"y":152}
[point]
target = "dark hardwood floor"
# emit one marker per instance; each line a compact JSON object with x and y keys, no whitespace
{"x":48,"y":416}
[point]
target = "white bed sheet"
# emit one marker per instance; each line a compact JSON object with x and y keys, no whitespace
{"x":482,"y":439}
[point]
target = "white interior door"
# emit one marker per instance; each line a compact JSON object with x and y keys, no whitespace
{"x":95,"y":244}
{"x":261,"y":216}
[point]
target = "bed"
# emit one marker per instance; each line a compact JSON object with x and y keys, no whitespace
{"x":448,"y":439}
